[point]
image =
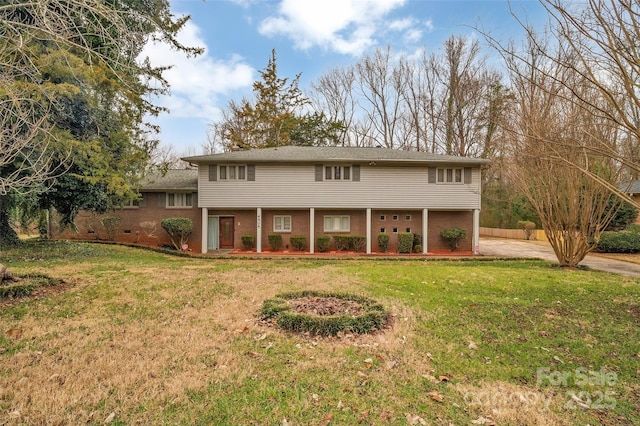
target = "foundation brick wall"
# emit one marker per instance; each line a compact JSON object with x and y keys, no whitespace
{"x":132,"y":232}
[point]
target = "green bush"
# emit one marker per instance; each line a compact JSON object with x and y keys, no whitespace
{"x":453,"y":236}
{"x":405,"y":242}
{"x":633,"y":228}
{"x":275,"y":241}
{"x":383,"y":242}
{"x":298,"y":242}
{"x":625,"y":214}
{"x":417,"y":241}
{"x":111,"y":225}
{"x":248,"y":241}
{"x":179,"y":230}
{"x":356,"y":243}
{"x":323,"y":242}
{"x":341,"y":242}
{"x":619,"y":242}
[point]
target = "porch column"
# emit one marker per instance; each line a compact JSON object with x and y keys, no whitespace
{"x":369,"y":231}
{"x":205,"y":229}
{"x":425,"y":230}
{"x":312,"y":230}
{"x":259,"y":230}
{"x":476,"y":231}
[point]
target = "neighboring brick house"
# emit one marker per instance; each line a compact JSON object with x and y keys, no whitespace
{"x":309,"y":191}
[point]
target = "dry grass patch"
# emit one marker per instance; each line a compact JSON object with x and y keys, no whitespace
{"x":502,"y":403}
{"x":134,"y":341}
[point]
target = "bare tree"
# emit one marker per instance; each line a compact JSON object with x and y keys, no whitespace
{"x":602,"y":39}
{"x":334,"y":95}
{"x":382,"y":85}
{"x":556,"y":136}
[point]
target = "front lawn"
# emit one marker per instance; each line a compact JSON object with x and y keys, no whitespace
{"x":138,"y":337}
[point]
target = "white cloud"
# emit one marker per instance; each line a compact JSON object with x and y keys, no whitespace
{"x":344,"y":26}
{"x":197,"y":84}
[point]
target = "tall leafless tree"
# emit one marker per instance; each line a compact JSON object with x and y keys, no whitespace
{"x":558,"y":137}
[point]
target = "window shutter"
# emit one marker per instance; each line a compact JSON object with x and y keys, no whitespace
{"x":355,"y":173}
{"x":213,"y":172}
{"x":319,"y":170}
{"x":431,"y":175}
{"x":467,"y":175}
{"x":162,"y":199}
{"x":251,"y":172}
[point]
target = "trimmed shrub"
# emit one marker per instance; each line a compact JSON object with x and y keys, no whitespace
{"x":417,"y":241}
{"x":383,"y":242}
{"x":179,"y":230}
{"x":248,"y":241}
{"x":342,"y":242}
{"x":453,"y":236}
{"x":323,"y":242}
{"x":528,"y":227}
{"x":405,"y":242}
{"x":298,"y":242}
{"x":111,"y":225}
{"x":275,"y":241}
{"x":619,"y":242}
{"x":356,"y":243}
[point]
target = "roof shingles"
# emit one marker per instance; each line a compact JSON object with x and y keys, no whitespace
{"x":309,"y":154}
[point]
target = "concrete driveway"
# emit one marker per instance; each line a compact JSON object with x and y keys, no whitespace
{"x":521,"y":248}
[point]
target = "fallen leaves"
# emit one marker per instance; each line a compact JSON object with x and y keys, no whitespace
{"x":412,"y":419}
{"x":435,"y":396}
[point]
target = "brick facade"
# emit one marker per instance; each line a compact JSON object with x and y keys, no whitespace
{"x":131,"y":230}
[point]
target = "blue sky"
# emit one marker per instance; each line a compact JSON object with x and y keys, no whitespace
{"x":310,"y":37}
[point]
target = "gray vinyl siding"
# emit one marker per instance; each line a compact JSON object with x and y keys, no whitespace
{"x":295,"y":186}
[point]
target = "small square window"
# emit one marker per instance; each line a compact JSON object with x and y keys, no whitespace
{"x":395,"y":217}
{"x":395,"y":230}
{"x":408,"y":230}
{"x":383,"y":217}
{"x":383,"y":230}
{"x":407,"y":218}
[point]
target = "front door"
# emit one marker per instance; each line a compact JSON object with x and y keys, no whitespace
{"x":226,"y":232}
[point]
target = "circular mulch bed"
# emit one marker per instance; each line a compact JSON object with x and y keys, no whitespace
{"x":325,"y":314}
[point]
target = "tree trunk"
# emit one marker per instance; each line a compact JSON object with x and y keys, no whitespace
{"x":8,"y":236}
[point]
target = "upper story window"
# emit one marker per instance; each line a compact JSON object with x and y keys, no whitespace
{"x":449,"y":175}
{"x":232,"y":172}
{"x":179,"y":199}
{"x":337,"y":172}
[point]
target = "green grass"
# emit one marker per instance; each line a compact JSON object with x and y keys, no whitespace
{"x":195,"y":352}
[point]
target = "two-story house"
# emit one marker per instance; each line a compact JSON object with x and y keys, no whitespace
{"x":314,"y":191}
{"x":309,"y":191}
